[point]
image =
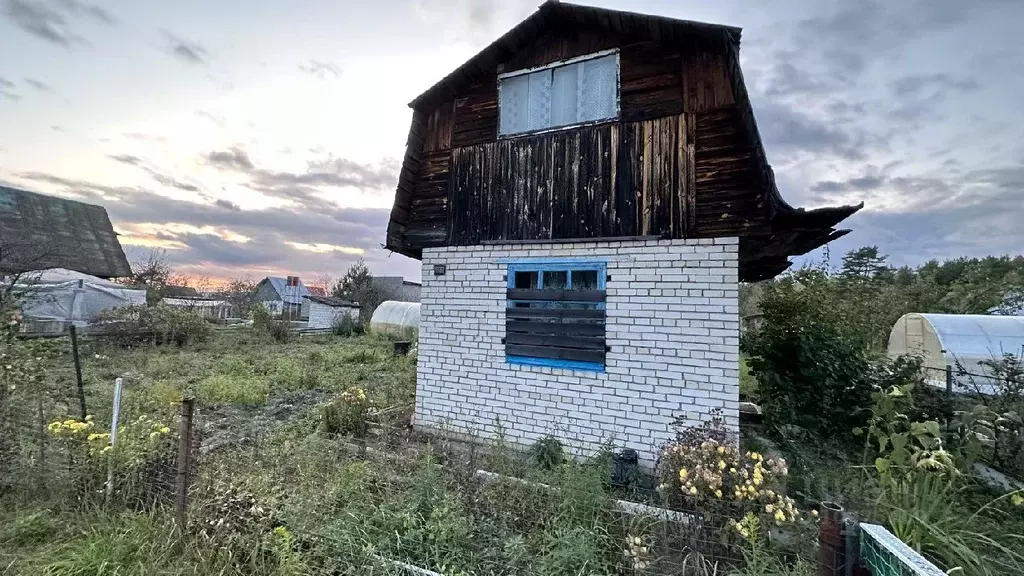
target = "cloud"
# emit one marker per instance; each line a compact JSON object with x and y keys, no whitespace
{"x":934,"y":215}
{"x":790,"y":130}
{"x":913,"y":85}
{"x":306,"y":188}
{"x":157,"y":175}
{"x":320,"y":69}
{"x":126,"y":159}
{"x":38,"y":84}
{"x":51,"y":20}
{"x":204,"y":235}
{"x":218,"y":120}
{"x":233,"y":158}
{"x":226,"y":204}
{"x":185,"y":50}
{"x":7,"y":90}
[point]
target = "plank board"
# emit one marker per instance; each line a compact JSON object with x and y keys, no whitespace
{"x":542,"y":327}
{"x":556,"y":295}
{"x":559,"y":313}
{"x":575,"y":342}
{"x":553,"y":353}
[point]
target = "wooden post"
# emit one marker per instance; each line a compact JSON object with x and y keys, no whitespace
{"x":78,"y":370}
{"x":831,"y":544}
{"x":184,"y":452}
{"x":949,"y":379}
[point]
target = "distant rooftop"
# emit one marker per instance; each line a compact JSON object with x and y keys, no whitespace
{"x":39,"y":232}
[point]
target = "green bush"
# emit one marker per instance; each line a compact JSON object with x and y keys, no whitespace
{"x":811,"y":371}
{"x":130,"y":325}
{"x":547,"y":453}
{"x":346,"y":325}
{"x":277,"y":328}
{"x":347,"y":413}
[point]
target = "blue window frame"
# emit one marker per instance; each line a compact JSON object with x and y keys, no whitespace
{"x":555,"y":314}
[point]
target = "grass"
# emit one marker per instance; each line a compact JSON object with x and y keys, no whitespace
{"x":292,"y":500}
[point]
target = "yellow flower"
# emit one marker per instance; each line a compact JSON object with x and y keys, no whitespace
{"x":682,"y":474}
{"x":780,"y":516}
{"x":718,"y":493}
{"x":153,"y":435}
{"x":693,"y":490}
{"x":165,"y":430}
{"x":721,"y":464}
{"x":732,"y":470}
{"x":721,"y":449}
{"x":814,"y":513}
{"x":88,"y":418}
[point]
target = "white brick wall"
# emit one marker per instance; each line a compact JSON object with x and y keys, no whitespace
{"x":322,"y":315}
{"x":672,"y":325}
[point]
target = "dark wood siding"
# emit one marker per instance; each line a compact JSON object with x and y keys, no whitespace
{"x":429,"y":212}
{"x":730,"y":199}
{"x":476,"y":113}
{"x":439,"y":129}
{"x":597,"y":181}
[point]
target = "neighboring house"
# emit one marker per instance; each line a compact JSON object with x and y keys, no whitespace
{"x":285,"y":296}
{"x":325,"y":310}
{"x":398,"y":288}
{"x":39,"y":232}
{"x":586,"y":194}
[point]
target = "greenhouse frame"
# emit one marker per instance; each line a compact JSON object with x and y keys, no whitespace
{"x":956,"y":347}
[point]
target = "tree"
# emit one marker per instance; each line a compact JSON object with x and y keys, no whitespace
{"x":864,"y":264}
{"x":323,"y":284}
{"x":357,"y":285}
{"x":153,"y":273}
{"x":241,"y":294}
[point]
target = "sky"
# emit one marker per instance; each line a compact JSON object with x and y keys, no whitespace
{"x":263,"y":137}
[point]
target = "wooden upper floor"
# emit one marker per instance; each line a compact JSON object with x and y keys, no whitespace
{"x":584,"y":123}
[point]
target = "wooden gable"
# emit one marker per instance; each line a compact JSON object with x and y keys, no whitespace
{"x":683,"y":158}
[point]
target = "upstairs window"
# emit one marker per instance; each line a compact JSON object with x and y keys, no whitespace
{"x":575,"y":92}
{"x":555,"y":315}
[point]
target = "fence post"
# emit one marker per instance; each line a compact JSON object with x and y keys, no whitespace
{"x":78,"y":369}
{"x":114,"y":420}
{"x":832,"y":545}
{"x":184,"y":452}
{"x":949,"y":379}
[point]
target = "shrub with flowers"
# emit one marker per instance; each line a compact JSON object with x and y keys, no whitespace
{"x":347,"y":413}
{"x":141,"y":462}
{"x":704,"y":470}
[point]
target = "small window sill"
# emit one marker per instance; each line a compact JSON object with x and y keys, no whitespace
{"x":551,"y":363}
{"x":539,"y":131}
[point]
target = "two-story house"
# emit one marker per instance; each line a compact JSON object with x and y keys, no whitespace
{"x":585,"y":195}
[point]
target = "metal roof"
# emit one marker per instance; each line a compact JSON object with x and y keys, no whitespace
{"x":289,"y":294}
{"x":38,"y":232}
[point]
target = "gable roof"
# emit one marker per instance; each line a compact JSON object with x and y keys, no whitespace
{"x":332,"y":301}
{"x":791,"y":231}
{"x":38,"y":232}
{"x":554,"y":13}
{"x":291,"y":295}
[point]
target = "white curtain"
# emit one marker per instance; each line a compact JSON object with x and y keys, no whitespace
{"x":580,"y":92}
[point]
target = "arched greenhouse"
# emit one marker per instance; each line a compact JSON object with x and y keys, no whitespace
{"x":956,"y":346}
{"x":398,"y":318}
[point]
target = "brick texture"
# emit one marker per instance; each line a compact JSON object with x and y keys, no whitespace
{"x":672,"y":327}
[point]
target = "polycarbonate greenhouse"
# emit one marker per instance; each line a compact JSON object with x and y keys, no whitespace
{"x":960,"y":342}
{"x":399,"y":318}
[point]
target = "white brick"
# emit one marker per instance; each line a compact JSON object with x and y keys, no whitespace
{"x":672,"y":328}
